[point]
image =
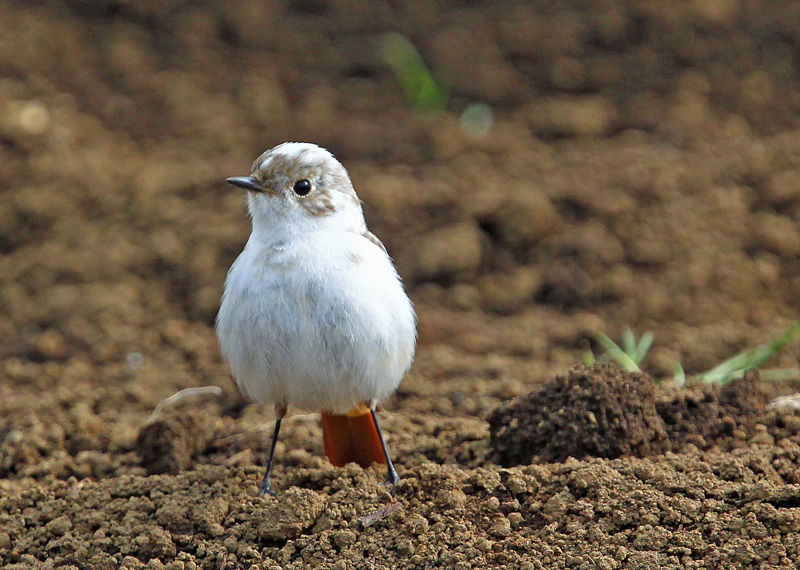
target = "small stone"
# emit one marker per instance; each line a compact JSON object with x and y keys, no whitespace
{"x":131,"y":563}
{"x":296,"y":510}
{"x":516,"y":485}
{"x":450,"y":499}
{"x":59,"y":526}
{"x":644,"y":471}
{"x":491,"y":504}
{"x":342,"y":538}
{"x":483,"y":544}
{"x":154,"y":542}
{"x":416,"y":524}
{"x":500,"y":528}
{"x":515,"y":519}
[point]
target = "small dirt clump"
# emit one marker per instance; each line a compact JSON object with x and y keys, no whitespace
{"x":599,"y":412}
{"x":170,"y":444}
{"x":703,"y":413}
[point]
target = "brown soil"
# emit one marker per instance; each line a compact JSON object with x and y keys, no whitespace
{"x":642,"y":171}
{"x":605,"y":412}
{"x":590,"y":412}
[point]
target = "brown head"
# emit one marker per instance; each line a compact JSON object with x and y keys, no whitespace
{"x":296,"y":182}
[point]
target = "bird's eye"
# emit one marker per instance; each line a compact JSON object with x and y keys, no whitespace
{"x":302,"y":187}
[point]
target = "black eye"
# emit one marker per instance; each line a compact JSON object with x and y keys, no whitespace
{"x":302,"y":187}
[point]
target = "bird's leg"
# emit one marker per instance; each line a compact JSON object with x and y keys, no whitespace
{"x":391,"y":474}
{"x":266,"y":483}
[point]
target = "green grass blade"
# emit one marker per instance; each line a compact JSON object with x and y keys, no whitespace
{"x":678,"y":375}
{"x":587,"y":356}
{"x":643,"y":347}
{"x":629,"y":343}
{"x":418,"y":83}
{"x":748,"y":359}
{"x":616,"y":353}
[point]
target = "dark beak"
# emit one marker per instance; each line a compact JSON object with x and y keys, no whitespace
{"x":246,"y":182}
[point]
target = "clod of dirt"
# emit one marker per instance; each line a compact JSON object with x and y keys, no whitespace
{"x":170,"y":444}
{"x":702,"y":413}
{"x":599,"y":411}
{"x":288,"y":516}
{"x":744,"y":396}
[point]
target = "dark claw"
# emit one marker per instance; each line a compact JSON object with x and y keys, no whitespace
{"x":266,"y":488}
{"x":392,"y":478}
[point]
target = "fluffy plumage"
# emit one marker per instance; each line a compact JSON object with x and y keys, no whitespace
{"x":313,"y":313}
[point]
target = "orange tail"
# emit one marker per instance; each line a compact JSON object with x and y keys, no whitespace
{"x":352,"y":437}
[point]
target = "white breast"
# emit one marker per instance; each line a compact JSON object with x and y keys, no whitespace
{"x":323,"y":324}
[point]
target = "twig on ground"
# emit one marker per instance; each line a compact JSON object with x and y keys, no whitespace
{"x":180,"y":395}
{"x":380,"y":514}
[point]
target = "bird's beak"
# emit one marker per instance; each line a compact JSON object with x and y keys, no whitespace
{"x":246,"y":182}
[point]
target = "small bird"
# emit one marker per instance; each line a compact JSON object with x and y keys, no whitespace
{"x":314,"y":313}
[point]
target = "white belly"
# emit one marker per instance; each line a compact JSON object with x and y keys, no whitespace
{"x":322,"y":331}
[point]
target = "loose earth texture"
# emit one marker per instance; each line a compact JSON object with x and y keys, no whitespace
{"x":598,"y":412}
{"x":642,"y":170}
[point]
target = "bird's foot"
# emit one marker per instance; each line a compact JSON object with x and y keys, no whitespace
{"x":266,"y":488}
{"x":392,"y":478}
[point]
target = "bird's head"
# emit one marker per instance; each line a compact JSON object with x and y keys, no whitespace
{"x":302,"y":185}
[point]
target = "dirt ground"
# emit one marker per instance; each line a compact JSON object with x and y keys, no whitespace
{"x":642,"y":170}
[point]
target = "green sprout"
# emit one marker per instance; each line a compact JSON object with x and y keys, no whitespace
{"x":628,"y":356}
{"x":418,"y":83}
{"x":633,"y":352}
{"x":752,"y":358}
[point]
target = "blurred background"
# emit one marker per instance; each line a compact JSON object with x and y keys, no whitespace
{"x":538,"y":170}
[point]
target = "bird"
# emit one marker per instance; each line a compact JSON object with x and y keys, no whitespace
{"x":313,"y":312}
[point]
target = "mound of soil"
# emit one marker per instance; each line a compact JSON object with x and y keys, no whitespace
{"x":172,"y":444}
{"x":606,"y":412}
{"x":702,"y":414}
{"x":595,"y":412}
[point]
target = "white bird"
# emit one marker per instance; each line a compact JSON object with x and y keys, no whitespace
{"x":314,"y":313}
